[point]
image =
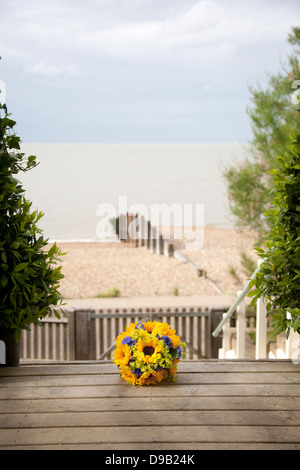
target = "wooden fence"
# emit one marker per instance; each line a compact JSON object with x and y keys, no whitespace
{"x":262,"y":342}
{"x":90,"y":335}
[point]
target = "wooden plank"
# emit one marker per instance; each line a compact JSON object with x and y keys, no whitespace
{"x":157,"y":446}
{"x":184,"y":379}
{"x":148,"y":418}
{"x":151,"y":434}
{"x":54,"y":405}
{"x":93,"y":367}
{"x":213,"y":405}
{"x":160,"y":390}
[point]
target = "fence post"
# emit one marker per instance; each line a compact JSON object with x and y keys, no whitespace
{"x":261,"y":330}
{"x":241,"y":329}
{"x":226,"y":346}
{"x":215,"y":343}
{"x":153,"y":240}
{"x":138,"y":235}
{"x":129,"y":229}
{"x":149,"y":232}
{"x":2,"y":352}
{"x":122,"y":227}
{"x":117,"y":226}
{"x":142,"y":231}
{"x":292,"y":344}
{"x":169,"y":248}
{"x":85,"y":347}
{"x":71,"y":335}
{"x":160,"y":245}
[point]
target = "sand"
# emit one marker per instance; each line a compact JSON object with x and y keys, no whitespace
{"x":93,"y":268}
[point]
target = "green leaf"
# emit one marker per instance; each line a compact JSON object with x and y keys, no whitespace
{"x":52,"y":250}
{"x":253,"y":292}
{"x":20,"y":267}
{"x":14,"y":142}
{"x":296,"y":324}
{"x":6,"y":122}
{"x":19,"y":277}
{"x":4,"y":280}
{"x":18,"y":334}
{"x":174,"y":353}
{"x":56,"y":314}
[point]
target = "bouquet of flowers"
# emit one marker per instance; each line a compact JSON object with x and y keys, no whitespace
{"x":147,"y":353}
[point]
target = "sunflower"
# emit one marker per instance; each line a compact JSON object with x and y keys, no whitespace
{"x":128,"y":375}
{"x":147,"y":378}
{"x":122,"y":354}
{"x":153,"y":377}
{"x":150,"y":325}
{"x":148,"y":349}
{"x":163,"y":329}
{"x":160,"y":374}
{"x":175,"y":340}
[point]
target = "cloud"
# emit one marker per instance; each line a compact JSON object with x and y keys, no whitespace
{"x":132,"y":57}
{"x":186,"y":31}
{"x":50,"y":70}
{"x":201,"y":31}
{"x":147,"y":33}
{"x":201,"y":17}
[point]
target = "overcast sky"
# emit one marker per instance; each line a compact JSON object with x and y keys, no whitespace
{"x":139,"y":70}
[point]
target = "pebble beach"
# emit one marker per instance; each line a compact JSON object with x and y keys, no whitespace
{"x":92,"y":268}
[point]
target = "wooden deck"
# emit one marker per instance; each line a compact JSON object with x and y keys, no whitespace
{"x":213,"y":405}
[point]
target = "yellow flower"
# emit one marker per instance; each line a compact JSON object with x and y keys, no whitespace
{"x":131,"y":328}
{"x":160,"y":374}
{"x":150,"y":326}
{"x":163,"y":329}
{"x":148,"y":349}
{"x":147,"y":379}
{"x":122,"y":354}
{"x":128,"y":375}
{"x":175,"y":340}
{"x":156,"y":376}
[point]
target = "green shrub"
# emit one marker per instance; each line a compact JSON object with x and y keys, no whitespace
{"x":29,"y":279}
{"x":176,"y":290}
{"x":111,"y":292}
{"x":278,"y":279}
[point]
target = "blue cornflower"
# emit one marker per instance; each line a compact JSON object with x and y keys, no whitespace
{"x":166,"y":340}
{"x":137,"y":372}
{"x":179,"y":351}
{"x":128,"y":340}
{"x":140,"y":325}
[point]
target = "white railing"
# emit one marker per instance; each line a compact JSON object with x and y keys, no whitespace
{"x":284,"y":348}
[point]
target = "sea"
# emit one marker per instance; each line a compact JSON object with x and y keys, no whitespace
{"x":74,"y":183}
